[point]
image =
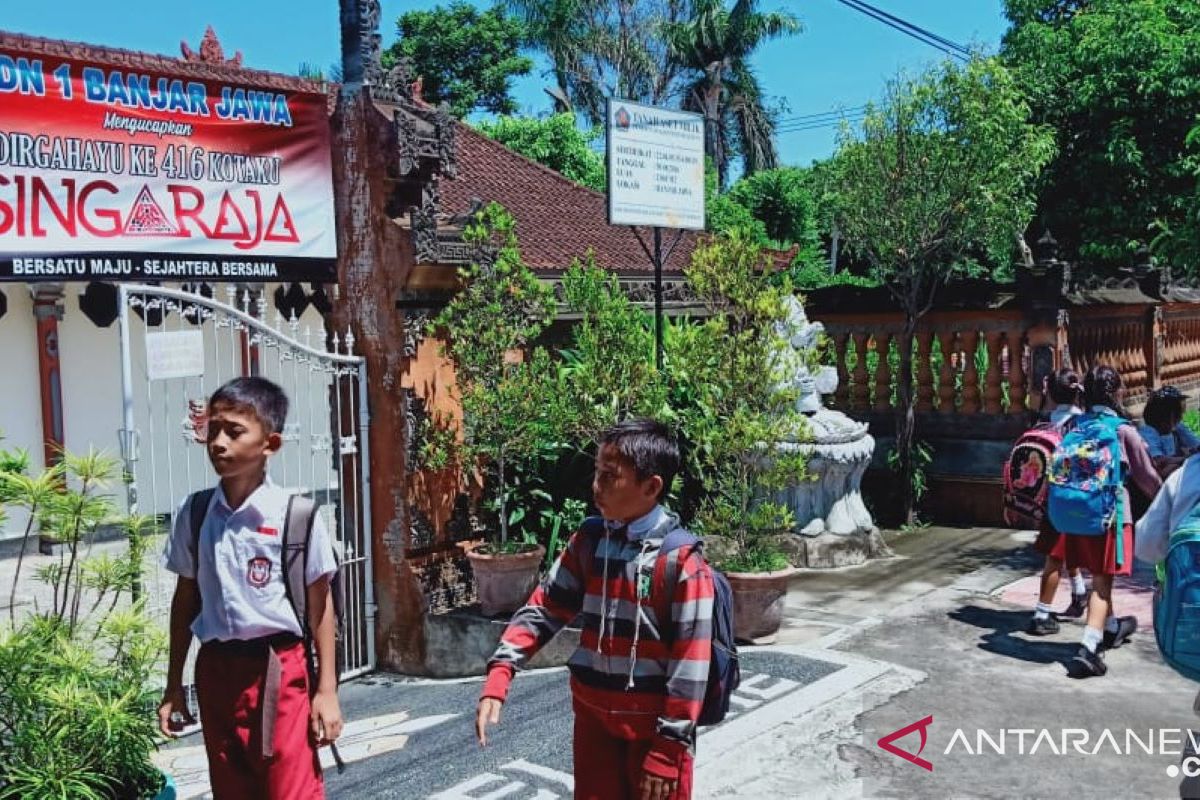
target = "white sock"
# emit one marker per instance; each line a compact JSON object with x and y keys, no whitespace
{"x":1077,"y":584}
{"x":1092,"y":638}
{"x":1041,"y":611}
{"x":1112,"y":624}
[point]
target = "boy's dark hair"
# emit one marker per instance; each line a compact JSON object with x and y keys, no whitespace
{"x":1101,"y":386}
{"x":649,"y":445}
{"x":259,"y":395}
{"x":1164,"y":405}
{"x":1066,"y":387}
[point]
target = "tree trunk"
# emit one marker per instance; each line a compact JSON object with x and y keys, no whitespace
{"x":906,"y":422}
{"x":712,"y":124}
{"x":503,"y":499}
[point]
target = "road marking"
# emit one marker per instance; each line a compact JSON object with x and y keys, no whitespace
{"x":360,"y":739}
{"x":522,"y":765}
{"x":462,"y":790}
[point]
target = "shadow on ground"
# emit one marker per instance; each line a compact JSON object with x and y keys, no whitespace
{"x":1000,"y":625}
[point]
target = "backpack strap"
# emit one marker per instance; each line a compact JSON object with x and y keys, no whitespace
{"x":297,"y":531}
{"x":1114,"y":422}
{"x":666,"y":573}
{"x":198,"y":505}
{"x":297,"y":536}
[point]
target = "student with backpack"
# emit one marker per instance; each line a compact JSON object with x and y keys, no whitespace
{"x":656,"y":653}
{"x":1026,"y":483}
{"x":1168,"y":440}
{"x":1089,"y":504}
{"x":254,"y":567}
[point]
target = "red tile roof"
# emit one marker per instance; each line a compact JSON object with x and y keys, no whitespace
{"x":557,"y":219}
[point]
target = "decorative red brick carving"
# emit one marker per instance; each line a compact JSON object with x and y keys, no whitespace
{"x":211,"y":51}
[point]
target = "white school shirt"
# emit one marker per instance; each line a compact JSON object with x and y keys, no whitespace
{"x":241,"y":564}
{"x":1179,"y":494}
{"x":1061,"y":415}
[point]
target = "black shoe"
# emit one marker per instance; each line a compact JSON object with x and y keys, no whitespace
{"x":1086,"y":664}
{"x":1125,"y":628}
{"x":1042,"y":627}
{"x":1077,"y":608}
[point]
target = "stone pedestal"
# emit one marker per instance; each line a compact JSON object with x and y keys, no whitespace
{"x":833,"y":526}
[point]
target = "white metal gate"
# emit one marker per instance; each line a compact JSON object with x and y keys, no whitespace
{"x":177,"y":347}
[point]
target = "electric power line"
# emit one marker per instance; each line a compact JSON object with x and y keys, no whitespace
{"x":922,"y":35}
{"x":832,"y":122}
{"x":819,"y":126}
{"x":916,"y":28}
{"x":816,"y":117}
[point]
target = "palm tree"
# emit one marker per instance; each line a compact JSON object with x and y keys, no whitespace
{"x":715,"y":47}
{"x":558,"y":29}
{"x":604,"y":48}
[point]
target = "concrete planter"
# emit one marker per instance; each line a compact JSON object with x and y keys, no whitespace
{"x":758,"y":599}
{"x":504,"y":582}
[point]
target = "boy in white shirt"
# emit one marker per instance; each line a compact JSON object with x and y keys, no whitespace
{"x":263,"y":721}
{"x":1179,"y":495}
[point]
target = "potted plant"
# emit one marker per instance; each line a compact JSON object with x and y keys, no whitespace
{"x":510,"y":398}
{"x":77,"y":698}
{"x":735,"y":408}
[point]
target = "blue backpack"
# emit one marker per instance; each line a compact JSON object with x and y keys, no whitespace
{"x":1177,"y":599}
{"x":724,"y":673}
{"x":1085,"y":478}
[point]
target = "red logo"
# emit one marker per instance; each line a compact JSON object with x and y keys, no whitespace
{"x":258,"y":573}
{"x":265,"y":531}
{"x":915,"y":758}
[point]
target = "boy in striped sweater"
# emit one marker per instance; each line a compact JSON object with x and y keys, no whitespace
{"x":638,"y":678}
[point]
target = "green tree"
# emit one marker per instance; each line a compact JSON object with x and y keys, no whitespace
{"x":466,"y":57}
{"x":714,"y":47}
{"x":1120,"y":82}
{"x":1179,"y":240}
{"x":728,"y":376}
{"x":555,"y":142}
{"x":506,"y":391}
{"x":943,"y":167}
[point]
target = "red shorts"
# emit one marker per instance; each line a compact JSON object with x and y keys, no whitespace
{"x":609,"y":766}
{"x":1096,"y":554}
{"x":229,"y":687}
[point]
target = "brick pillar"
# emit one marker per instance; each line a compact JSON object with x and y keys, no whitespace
{"x":374,"y":259}
{"x":1155,"y":347}
{"x":47,"y":311}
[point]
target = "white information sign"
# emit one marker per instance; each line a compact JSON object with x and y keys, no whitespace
{"x":655,"y":166}
{"x":175,"y":354}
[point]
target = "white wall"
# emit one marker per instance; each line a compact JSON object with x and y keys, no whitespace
{"x":89,"y":358}
{"x":20,"y":403}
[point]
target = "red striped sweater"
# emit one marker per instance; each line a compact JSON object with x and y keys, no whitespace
{"x":644,"y":679}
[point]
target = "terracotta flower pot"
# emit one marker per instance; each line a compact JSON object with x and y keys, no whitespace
{"x":504,"y":582}
{"x":758,"y":599}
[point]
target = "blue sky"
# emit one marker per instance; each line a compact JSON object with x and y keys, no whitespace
{"x":841,"y":60}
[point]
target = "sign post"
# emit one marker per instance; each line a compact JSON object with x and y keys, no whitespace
{"x":655,"y":179}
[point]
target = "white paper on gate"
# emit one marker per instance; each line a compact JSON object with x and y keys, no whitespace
{"x":174,"y":354}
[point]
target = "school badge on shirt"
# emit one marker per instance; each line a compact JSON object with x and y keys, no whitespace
{"x":258,"y":571}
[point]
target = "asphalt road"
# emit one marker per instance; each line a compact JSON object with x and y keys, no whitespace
{"x":425,"y":744}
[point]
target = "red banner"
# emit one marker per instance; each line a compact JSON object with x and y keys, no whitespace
{"x":116,"y":174}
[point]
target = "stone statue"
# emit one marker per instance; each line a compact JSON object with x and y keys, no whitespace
{"x":830,"y":514}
